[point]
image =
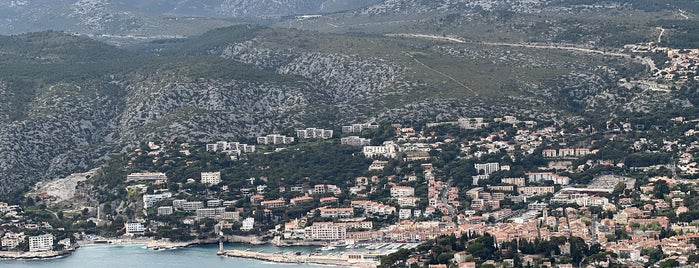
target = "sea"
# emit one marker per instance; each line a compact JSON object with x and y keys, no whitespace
{"x":134,"y":256}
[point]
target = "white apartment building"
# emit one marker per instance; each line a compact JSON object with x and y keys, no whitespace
{"x":248,"y":224}
{"x":326,"y":231}
{"x":487,"y":168}
{"x":515,"y":181}
{"x":41,"y":243}
{"x":146,"y":176}
{"x":405,"y":213}
{"x":187,"y":205}
{"x":275,"y":139}
{"x":389,"y":150}
{"x":314,"y":133}
{"x":209,"y":213}
{"x":407,"y":201}
{"x":150,"y":200}
{"x":547,"y":176}
{"x":397,"y":191}
{"x":535,"y":190}
{"x":211,"y":178}
{"x":134,"y":228}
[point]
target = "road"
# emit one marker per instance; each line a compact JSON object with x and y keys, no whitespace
{"x":643,"y":60}
{"x":660,"y":36}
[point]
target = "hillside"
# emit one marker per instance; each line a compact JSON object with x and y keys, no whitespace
{"x":68,"y":102}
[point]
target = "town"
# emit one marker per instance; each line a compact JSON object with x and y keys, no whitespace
{"x":616,"y":190}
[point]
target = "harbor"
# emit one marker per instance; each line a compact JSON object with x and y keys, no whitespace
{"x":353,"y":255}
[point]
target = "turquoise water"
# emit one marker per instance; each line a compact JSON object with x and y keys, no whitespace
{"x":137,"y":256}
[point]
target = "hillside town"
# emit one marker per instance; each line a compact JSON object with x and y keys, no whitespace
{"x":504,"y":178}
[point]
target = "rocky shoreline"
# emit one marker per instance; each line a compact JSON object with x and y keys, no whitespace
{"x":20,"y":255}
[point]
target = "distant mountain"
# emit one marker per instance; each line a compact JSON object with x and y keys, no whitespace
{"x":152,"y":18}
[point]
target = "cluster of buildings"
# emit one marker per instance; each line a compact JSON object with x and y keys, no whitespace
{"x":230,"y":148}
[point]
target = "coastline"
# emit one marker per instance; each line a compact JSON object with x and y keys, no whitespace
{"x":148,"y":243}
{"x":166,"y":244}
{"x":20,"y":255}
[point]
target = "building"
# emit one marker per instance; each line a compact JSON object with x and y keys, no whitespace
{"x":248,"y":224}
{"x":355,"y":128}
{"x":472,"y":123}
{"x":134,"y":228}
{"x":397,"y":191}
{"x":502,"y":188}
{"x":211,"y":178}
{"x":326,"y":231}
{"x":187,"y":205}
{"x":378,"y":165}
{"x":549,"y":153}
{"x":148,"y":176}
{"x":388,"y":150}
{"x":11,"y":240}
{"x":515,"y":181}
{"x":355,"y":141}
{"x":407,"y":201}
{"x":487,"y":168}
{"x":314,"y":133}
{"x":535,"y":190}
{"x":326,"y":188}
{"x":150,"y":200}
{"x":165,"y":210}
{"x":214,"y":203}
{"x":231,"y":148}
{"x":275,"y":139}
{"x":336,"y":212}
{"x":371,"y":207}
{"x":209,"y":213}
{"x":328,"y":200}
{"x":41,"y":243}
{"x":277,"y":203}
{"x":300,"y":200}
{"x":535,"y":177}
{"x":230,"y":216}
{"x":405,"y":213}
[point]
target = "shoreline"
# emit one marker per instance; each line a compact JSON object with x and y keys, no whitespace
{"x":21,"y":255}
{"x":148,"y":243}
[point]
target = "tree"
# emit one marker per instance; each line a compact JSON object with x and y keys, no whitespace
{"x":660,"y":189}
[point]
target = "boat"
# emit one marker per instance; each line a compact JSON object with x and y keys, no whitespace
{"x":327,"y":248}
